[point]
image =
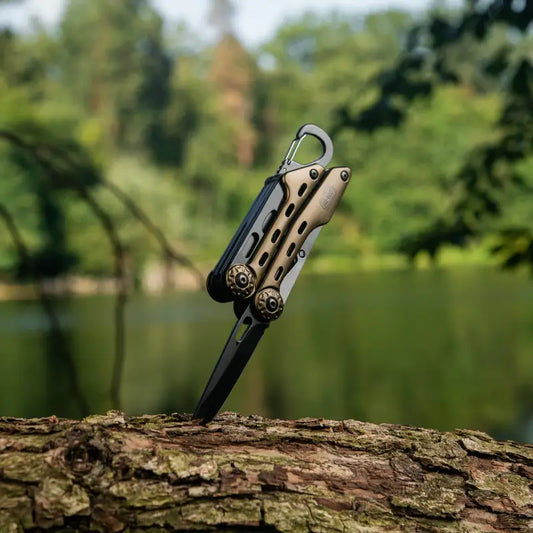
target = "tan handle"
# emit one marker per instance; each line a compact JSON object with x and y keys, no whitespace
{"x":317,"y":212}
{"x":299,"y":184}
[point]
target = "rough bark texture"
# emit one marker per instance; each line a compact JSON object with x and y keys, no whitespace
{"x":165,"y":473}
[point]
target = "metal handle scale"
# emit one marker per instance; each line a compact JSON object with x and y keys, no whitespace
{"x":242,"y":279}
{"x":317,"y":212}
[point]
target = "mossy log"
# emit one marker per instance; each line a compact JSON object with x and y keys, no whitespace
{"x":113,"y":473}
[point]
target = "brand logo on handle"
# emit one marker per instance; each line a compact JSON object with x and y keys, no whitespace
{"x":327,"y":197}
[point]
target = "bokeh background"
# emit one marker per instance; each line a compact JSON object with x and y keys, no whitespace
{"x":134,"y":135}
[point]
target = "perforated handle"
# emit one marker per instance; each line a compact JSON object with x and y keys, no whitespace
{"x":317,"y":212}
{"x":298,"y":185}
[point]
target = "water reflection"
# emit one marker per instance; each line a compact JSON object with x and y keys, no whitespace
{"x":440,"y":349}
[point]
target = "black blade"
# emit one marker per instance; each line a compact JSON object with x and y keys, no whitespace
{"x":230,"y":365}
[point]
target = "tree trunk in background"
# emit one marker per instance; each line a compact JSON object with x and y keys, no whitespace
{"x":232,"y":73}
{"x":165,"y":473}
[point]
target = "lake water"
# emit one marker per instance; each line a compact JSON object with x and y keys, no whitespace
{"x":441,"y":349}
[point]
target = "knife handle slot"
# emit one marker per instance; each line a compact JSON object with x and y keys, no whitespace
{"x":253,"y":239}
{"x":268,"y":219}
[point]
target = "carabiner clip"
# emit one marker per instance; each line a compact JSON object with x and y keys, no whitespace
{"x":288,"y":162}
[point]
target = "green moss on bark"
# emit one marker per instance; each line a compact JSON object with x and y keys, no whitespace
{"x":164,"y":473}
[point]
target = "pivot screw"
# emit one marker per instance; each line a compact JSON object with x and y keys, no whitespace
{"x":241,"y":280}
{"x":271,"y":304}
{"x":313,"y":173}
{"x":268,"y":304}
{"x":345,"y":175}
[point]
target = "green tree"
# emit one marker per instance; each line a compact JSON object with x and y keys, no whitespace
{"x":486,"y":48}
{"x":114,"y":65}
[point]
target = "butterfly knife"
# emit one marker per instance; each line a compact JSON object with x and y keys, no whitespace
{"x":258,"y":269}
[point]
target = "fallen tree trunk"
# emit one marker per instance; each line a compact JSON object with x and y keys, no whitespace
{"x":165,"y":473}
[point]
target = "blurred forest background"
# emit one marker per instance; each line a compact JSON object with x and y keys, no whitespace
{"x":423,"y":108}
{"x":128,"y":145}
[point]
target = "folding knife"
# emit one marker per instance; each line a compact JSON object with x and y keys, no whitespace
{"x":258,"y":269}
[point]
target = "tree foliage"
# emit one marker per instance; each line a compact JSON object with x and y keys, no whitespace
{"x":486,"y":48}
{"x":113,"y":62}
{"x":432,"y":111}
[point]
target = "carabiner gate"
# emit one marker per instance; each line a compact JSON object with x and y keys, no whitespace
{"x":288,"y":162}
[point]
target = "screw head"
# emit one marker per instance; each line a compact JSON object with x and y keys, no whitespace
{"x":268,"y":304}
{"x":271,"y":304}
{"x":313,"y":173}
{"x":241,"y":280}
{"x":345,"y":175}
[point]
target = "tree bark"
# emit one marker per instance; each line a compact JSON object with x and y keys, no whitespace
{"x":166,"y":473}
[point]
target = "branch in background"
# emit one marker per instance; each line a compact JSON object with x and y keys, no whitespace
{"x":135,"y":210}
{"x":63,"y":174}
{"x":487,"y":169}
{"x":423,"y":65}
{"x":110,"y":230}
{"x":42,"y":152}
{"x":121,"y":294}
{"x":60,"y":342}
{"x":515,"y":247}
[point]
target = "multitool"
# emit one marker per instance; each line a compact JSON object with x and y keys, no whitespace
{"x":258,"y":269}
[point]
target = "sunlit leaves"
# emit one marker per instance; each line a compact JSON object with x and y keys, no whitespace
{"x":435,"y":55}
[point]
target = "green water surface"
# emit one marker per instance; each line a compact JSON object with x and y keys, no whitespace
{"x":440,"y":349}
